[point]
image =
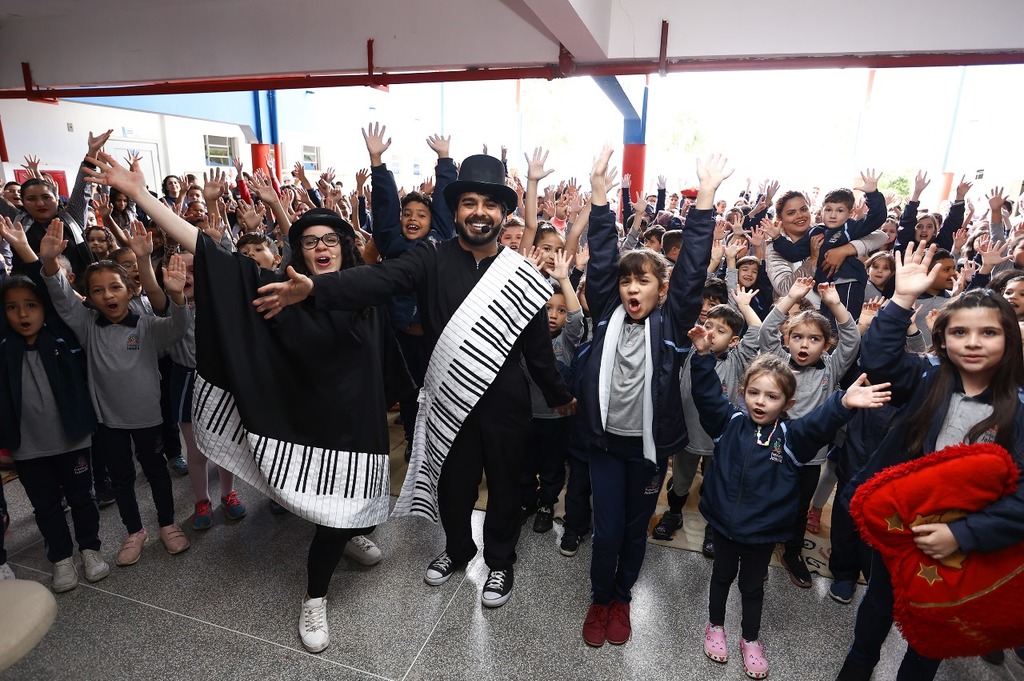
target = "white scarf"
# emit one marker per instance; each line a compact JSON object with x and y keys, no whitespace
{"x":604,"y":385}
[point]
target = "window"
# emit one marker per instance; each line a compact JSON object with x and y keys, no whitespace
{"x":979,"y":174}
{"x":416,"y":169}
{"x":219,"y":150}
{"x":311,"y":158}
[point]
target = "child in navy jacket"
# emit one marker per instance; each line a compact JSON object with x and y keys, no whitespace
{"x":629,"y":399}
{"x":750,"y":491}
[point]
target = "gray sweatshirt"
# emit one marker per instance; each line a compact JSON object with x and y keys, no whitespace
{"x":814,"y":383}
{"x":730,"y":369}
{"x":124,"y":380}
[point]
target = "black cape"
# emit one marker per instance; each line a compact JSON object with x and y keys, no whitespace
{"x":307,"y":376}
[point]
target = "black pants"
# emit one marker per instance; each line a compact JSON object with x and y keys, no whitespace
{"x":874,"y":619}
{"x":46,"y":480}
{"x":416,"y":357}
{"x":492,"y":440}
{"x":117,"y":445}
{"x":751,"y":562}
{"x":577,"y":490}
{"x":850,"y":555}
{"x":807,"y":483}
{"x":546,"y":452}
{"x":325,"y":553}
{"x":3,"y":524}
{"x":169,"y":429}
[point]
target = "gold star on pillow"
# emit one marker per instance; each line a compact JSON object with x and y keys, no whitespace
{"x":895,"y":523}
{"x":929,"y":573}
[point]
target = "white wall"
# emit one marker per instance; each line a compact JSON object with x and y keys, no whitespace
{"x":42,"y":130}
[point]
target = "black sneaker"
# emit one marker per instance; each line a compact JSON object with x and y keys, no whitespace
{"x":441,"y":570}
{"x":544,"y":520}
{"x":798,"y":572}
{"x":667,"y":526}
{"x":104,"y":495}
{"x":569,"y":544}
{"x":527,"y":511}
{"x":707,"y":547}
{"x":497,"y":588}
{"x":842,"y":591}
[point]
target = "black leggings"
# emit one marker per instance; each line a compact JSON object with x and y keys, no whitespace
{"x":325,"y":553}
{"x":751,"y":561}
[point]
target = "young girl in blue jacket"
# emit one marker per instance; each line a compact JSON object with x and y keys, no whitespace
{"x":46,"y":418}
{"x":750,"y":492}
{"x":970,"y":394}
{"x":629,"y":401}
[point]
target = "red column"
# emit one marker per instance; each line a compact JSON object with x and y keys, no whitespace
{"x":267,"y":156}
{"x":634,"y":159}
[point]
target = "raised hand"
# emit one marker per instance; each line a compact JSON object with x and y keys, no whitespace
{"x":662,"y":181}
{"x":599,"y":173}
{"x":260,"y":186}
{"x":96,"y":143}
{"x":375,"y":144}
{"x":103,"y":205}
{"x":53,"y":243}
{"x":959,"y":240}
{"x":770,"y":190}
{"x":733,"y":249}
{"x":560,"y":268}
{"x":535,"y":171}
{"x":440,"y":145}
{"x":744,"y":296}
{"x":914,"y":274}
{"x":868,"y":181}
{"x":698,"y":336}
{"x":13,"y":233}
{"x":583,"y":257}
{"x":174,"y":275}
{"x":770,"y":229}
{"x":32,"y":166}
{"x":800,"y":288}
{"x":712,"y":171}
{"x":627,"y":180}
{"x":504,"y":153}
{"x":533,"y":254}
{"x":247,"y":216}
{"x":992,"y":255}
{"x":215,"y":183}
{"x":427,"y":186}
{"x":757,"y":237}
{"x":963,"y":188}
{"x":863,"y":395}
{"x":921,"y":183}
{"x":299,"y":173}
{"x":139,"y":240}
{"x":129,"y":181}
{"x":237,"y":162}
{"x":996,"y":198}
{"x":828,"y":294}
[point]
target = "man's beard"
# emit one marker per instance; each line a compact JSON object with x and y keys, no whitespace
{"x":471,"y":238}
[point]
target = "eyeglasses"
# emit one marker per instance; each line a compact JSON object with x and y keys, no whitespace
{"x":330,"y":239}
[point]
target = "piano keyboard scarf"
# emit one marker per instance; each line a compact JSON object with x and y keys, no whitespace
{"x":326,"y":486}
{"x":466,"y":359}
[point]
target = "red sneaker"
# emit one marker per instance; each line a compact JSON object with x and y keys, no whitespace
{"x":596,"y":625}
{"x":619,"y":629}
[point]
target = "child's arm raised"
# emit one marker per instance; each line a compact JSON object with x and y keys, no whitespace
{"x":603,"y":270}
{"x":806,"y":435}
{"x":132,"y":183}
{"x":166,"y":331}
{"x":384,"y":202}
{"x":769,"y":338}
{"x":141,"y":243}
{"x":67,"y":304}
{"x":954,"y":218}
{"x":535,"y":172}
{"x":706,"y":387}
{"x":690,"y":273}
{"x":442,"y":219}
{"x":908,"y":218}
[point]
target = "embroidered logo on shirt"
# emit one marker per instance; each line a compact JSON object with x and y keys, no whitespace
{"x":133,"y":341}
{"x":654,"y":486}
{"x":81,"y":465}
{"x":776,"y":452}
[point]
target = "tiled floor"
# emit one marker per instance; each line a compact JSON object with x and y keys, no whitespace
{"x":228,"y":608}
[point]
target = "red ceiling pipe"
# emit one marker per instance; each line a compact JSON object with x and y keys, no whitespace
{"x":547,"y":72}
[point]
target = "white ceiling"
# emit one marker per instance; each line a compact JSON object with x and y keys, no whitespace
{"x":71,"y":43}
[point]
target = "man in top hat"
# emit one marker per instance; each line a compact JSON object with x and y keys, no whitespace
{"x":498,"y":288}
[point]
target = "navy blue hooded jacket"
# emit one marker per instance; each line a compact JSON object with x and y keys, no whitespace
{"x":750,"y":493}
{"x":668,"y":326}
{"x":64,"y":362}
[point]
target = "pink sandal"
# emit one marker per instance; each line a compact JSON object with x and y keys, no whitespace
{"x":814,"y":520}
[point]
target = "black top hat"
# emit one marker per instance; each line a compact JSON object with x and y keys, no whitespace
{"x":482,"y":174}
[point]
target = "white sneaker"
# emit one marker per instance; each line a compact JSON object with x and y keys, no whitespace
{"x":6,"y":572}
{"x":362,"y":550}
{"x":65,"y":576}
{"x":95,"y":567}
{"x":313,"y":624}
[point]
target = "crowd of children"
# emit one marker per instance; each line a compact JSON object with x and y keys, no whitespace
{"x":695,"y":336}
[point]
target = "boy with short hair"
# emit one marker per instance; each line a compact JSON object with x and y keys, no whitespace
{"x":547,"y":451}
{"x":838,"y":229}
{"x":724,"y":325}
{"x":671,"y":242}
{"x":261,"y":248}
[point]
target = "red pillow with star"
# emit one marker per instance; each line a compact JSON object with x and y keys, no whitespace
{"x":966,"y":604}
